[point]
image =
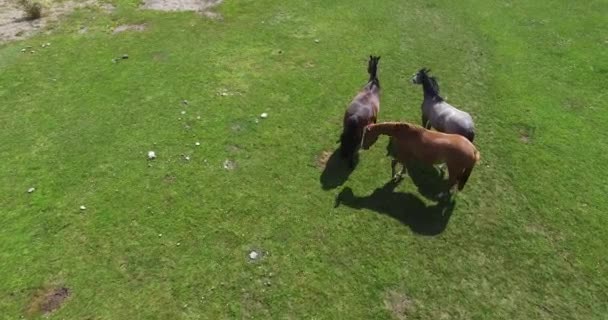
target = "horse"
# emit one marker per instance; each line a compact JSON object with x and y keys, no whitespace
{"x":412,"y":142}
{"x":362,"y":111}
{"x":439,"y":114}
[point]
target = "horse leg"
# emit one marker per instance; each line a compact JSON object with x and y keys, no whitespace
{"x":397,"y":176}
{"x":454,"y":173}
{"x":452,"y":180}
{"x":425,"y":122}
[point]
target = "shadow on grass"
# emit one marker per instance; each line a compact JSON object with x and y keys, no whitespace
{"x":337,"y":171}
{"x":428,"y":179}
{"x":405,"y":207}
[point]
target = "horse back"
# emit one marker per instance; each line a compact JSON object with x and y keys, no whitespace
{"x":447,"y":118}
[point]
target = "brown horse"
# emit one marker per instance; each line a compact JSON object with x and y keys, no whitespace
{"x":412,"y":142}
{"x":362,"y":111}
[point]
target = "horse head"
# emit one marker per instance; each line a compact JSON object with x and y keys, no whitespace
{"x":419,"y":76}
{"x":369,"y":137}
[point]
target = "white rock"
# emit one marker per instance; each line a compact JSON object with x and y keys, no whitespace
{"x":160,"y":235}
{"x":316,"y":40}
{"x":183,"y":112}
{"x":30,"y":190}
{"x":83,"y":208}
{"x":253,"y":255}
{"x":197,"y":144}
{"x":264,"y":115}
{"x":198,"y":117}
{"x":178,"y":244}
{"x":187,"y":158}
{"x":151,"y":155}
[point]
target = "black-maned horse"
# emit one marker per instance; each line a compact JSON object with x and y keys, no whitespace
{"x":362,"y":111}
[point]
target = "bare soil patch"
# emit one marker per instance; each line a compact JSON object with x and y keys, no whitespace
{"x":130,"y":27}
{"x":179,"y":5}
{"x":15,"y":26}
{"x":323,"y":158}
{"x":45,"y":301}
{"x":399,"y":304}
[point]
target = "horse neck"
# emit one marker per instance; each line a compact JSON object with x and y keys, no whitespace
{"x":373,"y":85}
{"x":427,"y":88}
{"x":386,"y":128}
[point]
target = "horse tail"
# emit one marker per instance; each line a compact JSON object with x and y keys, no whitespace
{"x":470,"y":135}
{"x":350,"y":137}
{"x":465,"y":176}
{"x":467,"y":172}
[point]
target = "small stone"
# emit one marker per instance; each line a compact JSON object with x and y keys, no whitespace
{"x":183,"y":112}
{"x":125,"y":56}
{"x":48,"y":44}
{"x":224,"y":94}
{"x":151,"y":155}
{"x":187,"y":158}
{"x":30,"y":190}
{"x":23,"y":50}
{"x":160,"y":235}
{"x":43,"y":45}
{"x":316,"y":40}
{"x":253,"y":255}
{"x":185,"y":102}
{"x":264,"y":115}
{"x":178,"y":244}
{"x":32,"y":51}
{"x":197,"y":144}
{"x":198,"y":117}
{"x":83,"y":208}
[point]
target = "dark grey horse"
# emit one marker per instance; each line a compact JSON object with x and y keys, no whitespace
{"x":362,"y":111}
{"x":439,"y":114}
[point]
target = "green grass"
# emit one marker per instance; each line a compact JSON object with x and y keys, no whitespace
{"x":526,"y":239}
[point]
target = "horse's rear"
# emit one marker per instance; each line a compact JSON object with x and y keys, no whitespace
{"x":456,"y":151}
{"x":459,"y":154}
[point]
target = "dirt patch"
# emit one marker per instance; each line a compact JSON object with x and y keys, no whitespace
{"x":130,"y":27}
{"x":180,"y":5}
{"x":233,"y":149}
{"x":14,"y":25}
{"x":47,"y":300}
{"x":169,"y":179}
{"x":229,"y":165}
{"x":399,"y":304}
{"x":322,"y":159}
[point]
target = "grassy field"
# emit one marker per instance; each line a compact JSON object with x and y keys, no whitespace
{"x":170,"y":238}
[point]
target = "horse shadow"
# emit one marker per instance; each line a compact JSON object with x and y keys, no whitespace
{"x":404,"y":207}
{"x":337,"y":170}
{"x":429,"y":180}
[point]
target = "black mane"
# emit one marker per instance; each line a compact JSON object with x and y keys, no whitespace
{"x":429,"y":84}
{"x":372,"y":69}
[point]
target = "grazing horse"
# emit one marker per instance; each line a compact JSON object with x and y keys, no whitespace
{"x":362,"y":111}
{"x":439,"y":114}
{"x":411,"y":142}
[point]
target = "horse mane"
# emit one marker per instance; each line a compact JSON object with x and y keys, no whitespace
{"x":397,"y":125}
{"x":372,"y":69}
{"x":429,"y":84}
